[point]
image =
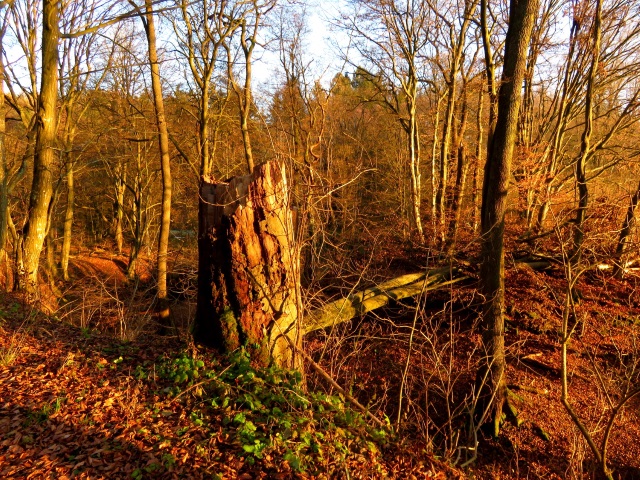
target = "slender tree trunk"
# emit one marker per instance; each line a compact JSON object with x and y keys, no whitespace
{"x":248,"y":267}
{"x":6,"y":270}
{"x":456,"y":206}
{"x":627,"y":226}
{"x":490,"y":69}
{"x":68,"y":218}
{"x":138,"y":217}
{"x":244,"y":93}
{"x":46,"y":125}
{"x":138,"y":232}
{"x":461,"y":172}
{"x":478,"y":161}
{"x":492,"y":388}
{"x":206,"y":166}
{"x":118,"y":205}
{"x":414,"y":151}
{"x":553,"y":152}
{"x":244,"y":119}
{"x":50,"y":250}
{"x":165,"y":163}
{"x":447,"y":127}
{"x":4,"y":170}
{"x":585,"y":143}
{"x":434,"y":164}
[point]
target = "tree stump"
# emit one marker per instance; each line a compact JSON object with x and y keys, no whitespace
{"x":248,"y":269}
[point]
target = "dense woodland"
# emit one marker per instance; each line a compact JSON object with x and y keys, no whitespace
{"x":448,"y":286}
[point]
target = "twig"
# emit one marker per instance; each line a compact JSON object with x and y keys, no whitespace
{"x":335,"y":385}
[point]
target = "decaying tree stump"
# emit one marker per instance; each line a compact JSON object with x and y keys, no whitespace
{"x":248,"y":271}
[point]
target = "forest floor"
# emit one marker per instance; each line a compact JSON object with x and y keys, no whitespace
{"x":92,"y":391}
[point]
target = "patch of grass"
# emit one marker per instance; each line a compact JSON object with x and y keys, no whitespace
{"x":10,"y":353}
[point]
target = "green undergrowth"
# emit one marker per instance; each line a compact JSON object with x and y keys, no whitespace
{"x":270,"y":418}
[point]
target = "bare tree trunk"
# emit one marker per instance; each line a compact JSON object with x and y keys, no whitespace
{"x":243,"y":93}
{"x":50,"y":251}
{"x":46,"y":125}
{"x":448,"y":126}
{"x":248,"y":267}
{"x":4,"y":170}
{"x":478,"y":160}
{"x":490,"y":69}
{"x":118,"y":206}
{"x":456,"y":206}
{"x":165,"y":163}
{"x":443,"y":178}
{"x":6,"y":267}
{"x":206,"y":164}
{"x":6,"y":270}
{"x":434,"y":163}
{"x":414,"y":150}
{"x":138,"y":215}
{"x":553,"y":150}
{"x":68,"y":219}
{"x":627,"y":225}
{"x":492,"y":388}
{"x":461,"y":172}
{"x":246,"y":103}
{"x":585,"y":143}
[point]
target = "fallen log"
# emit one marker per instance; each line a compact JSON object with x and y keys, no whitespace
{"x":359,"y":303}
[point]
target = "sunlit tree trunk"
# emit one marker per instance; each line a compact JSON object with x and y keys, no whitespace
{"x":414,"y":151}
{"x":5,"y":262}
{"x":45,"y":152}
{"x":492,"y":388}
{"x":243,"y":93}
{"x":69,"y":211}
{"x":4,"y":171}
{"x":165,"y":162}
{"x":434,"y":161}
{"x":443,"y":174}
{"x":455,"y":65}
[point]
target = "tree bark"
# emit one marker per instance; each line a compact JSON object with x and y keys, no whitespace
{"x":492,"y":388}
{"x":248,"y":276}
{"x":45,"y":154}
